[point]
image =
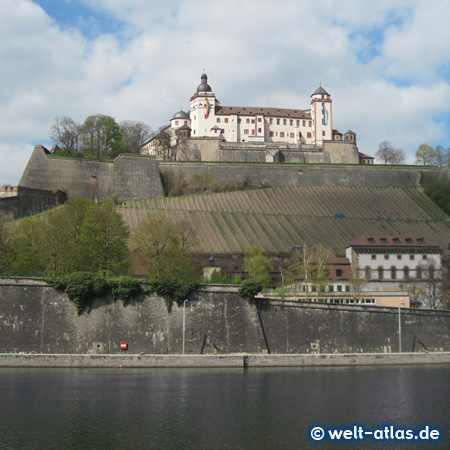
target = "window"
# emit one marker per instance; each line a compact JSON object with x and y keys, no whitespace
{"x":281,"y":133}
{"x":339,"y":272}
{"x":226,"y":119}
{"x":291,"y":122}
{"x":298,"y":123}
{"x":193,"y":131}
{"x":253,"y":131}
{"x":284,"y":121}
{"x":380,"y":273}
{"x":259,"y":130}
{"x":424,"y":256}
{"x":304,"y":123}
{"x":431,"y":272}
{"x":310,"y":123}
{"x":373,"y":257}
{"x":406,"y":273}
{"x":399,"y":256}
{"x":411,"y":257}
{"x":393,"y":273}
{"x":247,"y":120}
{"x":339,"y":288}
{"x":176,"y":122}
{"x":271,"y":133}
{"x":259,"y":119}
{"x":419,"y":272}
{"x":308,"y":134}
{"x":386,"y":256}
{"x":245,"y":131}
{"x":278,"y":121}
{"x":323,"y":132}
{"x":271,"y":121}
{"x":253,"y":120}
{"x":347,"y":288}
{"x":218,"y":120}
{"x":330,"y":288}
{"x":185,"y":122}
{"x":367,"y":273}
{"x":291,"y":135}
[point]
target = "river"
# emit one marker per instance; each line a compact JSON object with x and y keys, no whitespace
{"x":133,"y":409}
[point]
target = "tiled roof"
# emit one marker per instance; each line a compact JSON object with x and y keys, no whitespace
{"x":392,"y":241}
{"x":270,"y":112}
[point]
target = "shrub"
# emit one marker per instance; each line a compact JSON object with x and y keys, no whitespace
{"x":249,"y":289}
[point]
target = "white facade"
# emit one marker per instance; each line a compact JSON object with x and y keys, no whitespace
{"x":406,"y":263}
{"x":208,"y":118}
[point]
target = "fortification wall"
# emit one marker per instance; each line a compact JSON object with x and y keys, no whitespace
{"x":273,"y":174}
{"x":134,"y":176}
{"x":36,"y":318}
{"x":128,"y":177}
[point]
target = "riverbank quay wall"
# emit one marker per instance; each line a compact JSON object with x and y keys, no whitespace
{"x":132,"y":176}
{"x":237,"y":361}
{"x":36,"y":318}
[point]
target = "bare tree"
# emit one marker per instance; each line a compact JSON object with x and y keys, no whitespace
{"x":134,"y":134}
{"x":65,"y":133}
{"x":388,"y":154}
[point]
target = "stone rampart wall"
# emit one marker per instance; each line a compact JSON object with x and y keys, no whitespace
{"x":36,"y":318}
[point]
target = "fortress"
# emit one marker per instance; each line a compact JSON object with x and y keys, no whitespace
{"x":213,"y":132}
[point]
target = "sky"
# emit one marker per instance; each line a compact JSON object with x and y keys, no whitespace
{"x":385,"y":63}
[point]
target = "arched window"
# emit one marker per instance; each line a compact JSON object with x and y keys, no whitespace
{"x":367,"y":273}
{"x":393,"y":273}
{"x":406,"y":273}
{"x":380,"y":273}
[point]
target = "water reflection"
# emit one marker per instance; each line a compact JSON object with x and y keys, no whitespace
{"x":210,"y":409}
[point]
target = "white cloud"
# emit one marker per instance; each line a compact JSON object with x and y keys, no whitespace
{"x":256,"y":52}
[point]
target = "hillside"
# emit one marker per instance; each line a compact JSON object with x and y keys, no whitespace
{"x":276,"y":219}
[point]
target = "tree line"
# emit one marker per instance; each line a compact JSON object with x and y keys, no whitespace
{"x":99,"y":136}
{"x":426,"y":155}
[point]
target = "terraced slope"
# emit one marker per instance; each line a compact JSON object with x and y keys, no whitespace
{"x":276,"y":219}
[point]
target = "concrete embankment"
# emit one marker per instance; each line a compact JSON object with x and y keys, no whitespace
{"x":218,"y":361}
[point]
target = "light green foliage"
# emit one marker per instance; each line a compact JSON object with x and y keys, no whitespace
{"x":164,"y":248}
{"x":79,"y":236}
{"x":426,"y":155}
{"x":5,"y":246}
{"x":258,"y":266}
{"x":101,"y":137}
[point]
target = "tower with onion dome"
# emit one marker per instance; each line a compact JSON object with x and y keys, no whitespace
{"x":202,"y":113}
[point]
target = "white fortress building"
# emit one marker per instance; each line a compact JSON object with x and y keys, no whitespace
{"x":283,"y":134}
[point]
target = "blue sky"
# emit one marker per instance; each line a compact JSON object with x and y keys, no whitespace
{"x":386,"y":64}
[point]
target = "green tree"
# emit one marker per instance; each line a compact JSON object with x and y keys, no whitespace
{"x":164,"y":249}
{"x":426,"y":155}
{"x":103,"y":240}
{"x":101,"y":137}
{"x":79,"y":236}
{"x":258,"y":266}
{"x":4,"y":246}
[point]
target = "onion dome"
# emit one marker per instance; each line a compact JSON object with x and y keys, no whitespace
{"x":180,"y":115}
{"x":204,"y":86}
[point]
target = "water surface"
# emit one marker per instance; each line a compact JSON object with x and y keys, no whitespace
{"x":132,"y":409}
